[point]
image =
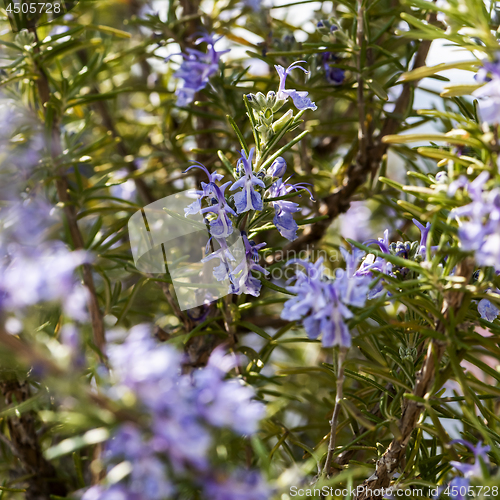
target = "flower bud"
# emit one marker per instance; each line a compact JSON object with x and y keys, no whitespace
{"x":278,"y":168}
{"x":323,"y":27}
{"x":279,"y":124}
{"x":251,"y":98}
{"x":261,"y":100}
{"x":271,"y":98}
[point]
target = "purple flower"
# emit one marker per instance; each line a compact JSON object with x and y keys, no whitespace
{"x":283,"y":218}
{"x":46,"y":273}
{"x":114,"y":492}
{"x":480,"y":232}
{"x":225,"y":256}
{"x":242,"y":485}
{"x":207,"y":190}
{"x":321,"y":303}
{"x":180,"y":411}
{"x":480,"y":453}
{"x":489,"y":100}
{"x":424,"y":235}
{"x":457,"y":486}
{"x":255,"y":5}
{"x":226,"y":403}
{"x":247,"y":199}
{"x":220,"y":225}
{"x":333,"y":75}
{"x":487,"y":310}
{"x":241,"y":276}
{"x":278,"y":168}
{"x":353,"y":289}
{"x":300,"y":98}
{"x":196,"y":69}
{"x":489,"y":94}
{"x":372,"y":263}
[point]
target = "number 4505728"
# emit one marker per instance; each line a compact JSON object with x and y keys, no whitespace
{"x":33,"y":8}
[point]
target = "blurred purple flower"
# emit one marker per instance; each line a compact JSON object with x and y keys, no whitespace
{"x":480,"y":232}
{"x":255,"y":5}
{"x":43,"y":274}
{"x":247,"y":199}
{"x":197,"y":68}
{"x":182,"y":410}
{"x":460,"y":484}
{"x":226,"y":403}
{"x":333,"y":75}
{"x":487,"y":310}
{"x":480,"y":453}
{"x":489,"y":94}
{"x":300,"y":98}
{"x":241,"y":485}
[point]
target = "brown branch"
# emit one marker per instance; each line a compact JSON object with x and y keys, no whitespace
{"x":390,"y":460}
{"x":42,"y":480}
{"x":69,"y":209}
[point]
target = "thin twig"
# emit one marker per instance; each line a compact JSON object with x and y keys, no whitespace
{"x":338,"y":403}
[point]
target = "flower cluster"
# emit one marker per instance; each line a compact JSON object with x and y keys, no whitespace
{"x":416,"y":251}
{"x":34,"y":269}
{"x":489,"y":93}
{"x":321,"y":303}
{"x":219,"y":216}
{"x":254,"y":190}
{"x":480,"y":233}
{"x":479,"y":228}
{"x":183,"y":412}
{"x":196,"y":69}
{"x":265,"y":106}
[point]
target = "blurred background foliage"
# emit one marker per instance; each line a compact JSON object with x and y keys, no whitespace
{"x":103,"y":136}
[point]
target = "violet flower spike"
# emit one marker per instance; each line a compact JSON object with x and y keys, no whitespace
{"x":300,"y":98}
{"x":241,"y":276}
{"x":247,"y":199}
{"x":321,"y":303}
